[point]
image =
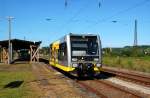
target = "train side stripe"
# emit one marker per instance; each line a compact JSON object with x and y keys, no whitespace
{"x":62,"y":67}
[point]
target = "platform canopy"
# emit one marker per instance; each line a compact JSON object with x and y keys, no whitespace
{"x":19,"y":44}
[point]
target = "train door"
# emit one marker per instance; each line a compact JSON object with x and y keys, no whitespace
{"x":55,"y":55}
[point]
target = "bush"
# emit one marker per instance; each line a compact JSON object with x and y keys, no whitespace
{"x":130,"y":64}
{"x":118,"y":60}
{"x":128,"y":51}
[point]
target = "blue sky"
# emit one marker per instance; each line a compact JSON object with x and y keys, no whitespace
{"x":79,"y":16}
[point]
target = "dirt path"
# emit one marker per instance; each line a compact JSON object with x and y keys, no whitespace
{"x":52,"y":84}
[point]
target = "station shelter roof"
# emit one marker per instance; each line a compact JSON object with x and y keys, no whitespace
{"x":18,"y":44}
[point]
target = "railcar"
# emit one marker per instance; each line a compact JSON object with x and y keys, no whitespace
{"x":78,"y":54}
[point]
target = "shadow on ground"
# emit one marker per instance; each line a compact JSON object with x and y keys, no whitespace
{"x":14,"y":84}
{"x":43,"y":60}
{"x":20,"y":61}
{"x":27,"y":60}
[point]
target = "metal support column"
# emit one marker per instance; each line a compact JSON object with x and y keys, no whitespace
{"x":11,"y":52}
{"x":0,"y":53}
{"x":9,"y":41}
{"x":135,"y":34}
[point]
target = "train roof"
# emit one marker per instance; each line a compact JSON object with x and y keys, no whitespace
{"x":88,"y":34}
{"x":72,"y":34}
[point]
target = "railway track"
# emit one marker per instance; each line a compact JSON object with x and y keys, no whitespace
{"x":91,"y":89}
{"x":131,"y":76}
{"x":52,"y":84}
{"x":105,"y":89}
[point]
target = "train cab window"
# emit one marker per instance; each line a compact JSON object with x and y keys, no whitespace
{"x":62,"y":52}
{"x":92,"y":47}
{"x":86,"y":46}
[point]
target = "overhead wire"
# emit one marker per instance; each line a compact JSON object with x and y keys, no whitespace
{"x":100,"y":20}
{"x":120,"y":12}
{"x":99,"y":3}
{"x":66,"y":3}
{"x":77,"y":13}
{"x":74,"y":16}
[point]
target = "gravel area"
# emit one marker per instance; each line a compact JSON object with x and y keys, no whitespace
{"x":130,"y":85}
{"x":52,"y":84}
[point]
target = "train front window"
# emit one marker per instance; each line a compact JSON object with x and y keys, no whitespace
{"x":79,"y":48}
{"x":86,"y":46}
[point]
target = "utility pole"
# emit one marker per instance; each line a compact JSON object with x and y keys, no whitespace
{"x":9,"y":41}
{"x":135,"y":34}
{"x":24,"y":38}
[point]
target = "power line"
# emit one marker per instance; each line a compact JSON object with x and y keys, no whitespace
{"x":66,"y":3}
{"x":74,"y":16}
{"x":77,"y":13}
{"x":120,"y":12}
{"x":100,"y":3}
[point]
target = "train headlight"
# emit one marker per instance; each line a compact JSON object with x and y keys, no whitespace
{"x":98,"y":65}
{"x":96,"y":59}
{"x":74,"y":65}
{"x":74,"y":59}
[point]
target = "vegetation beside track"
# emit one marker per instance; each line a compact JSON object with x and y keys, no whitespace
{"x":14,"y":81}
{"x":129,"y":57}
{"x":133,"y":63}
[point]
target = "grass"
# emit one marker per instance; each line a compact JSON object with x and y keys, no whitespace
{"x":133,"y":63}
{"x":11,"y":74}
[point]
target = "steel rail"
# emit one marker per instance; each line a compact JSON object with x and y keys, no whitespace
{"x":91,"y":89}
{"x":131,"y":76}
{"x":122,"y":89}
